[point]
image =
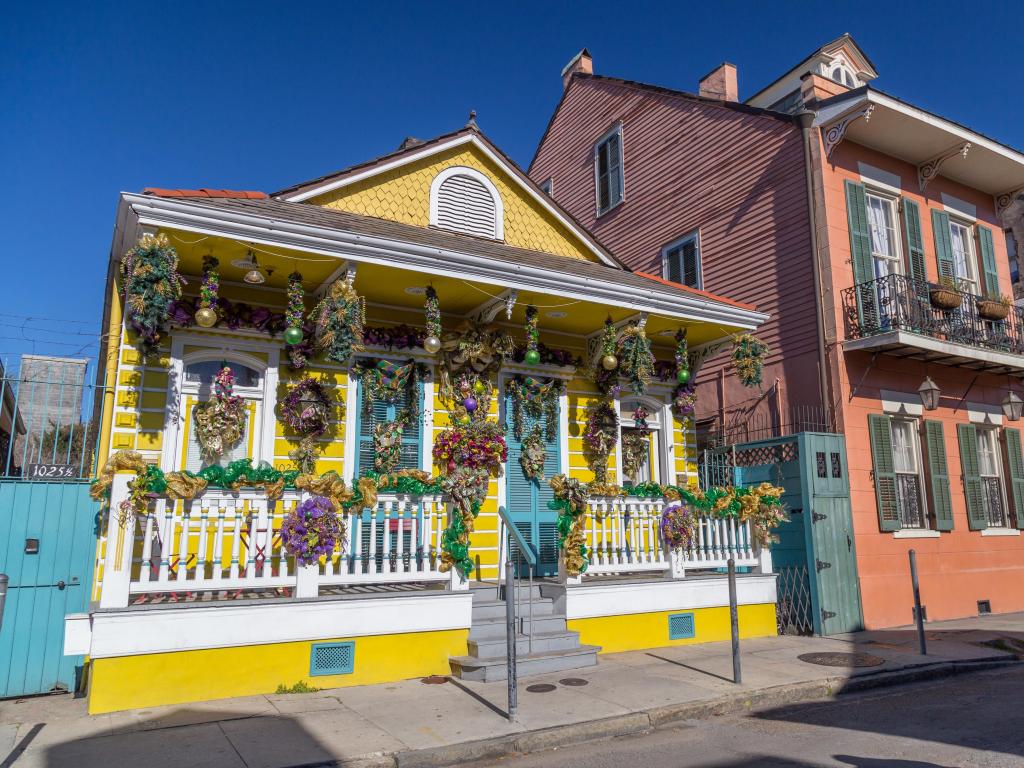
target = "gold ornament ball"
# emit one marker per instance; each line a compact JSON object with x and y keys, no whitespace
{"x":432,"y":344}
{"x":609,"y":362}
{"x":206,"y":317}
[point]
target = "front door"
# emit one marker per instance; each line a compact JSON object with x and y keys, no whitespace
{"x":526,"y":499}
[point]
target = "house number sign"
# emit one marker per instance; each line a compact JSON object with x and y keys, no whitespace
{"x":51,"y":471}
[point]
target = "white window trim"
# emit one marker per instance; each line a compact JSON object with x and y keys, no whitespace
{"x":916,"y":533}
{"x":664,"y":429}
{"x":1000,"y":531}
{"x":462,"y":170}
{"x":615,"y":129}
{"x":695,"y":236}
{"x":875,"y":190}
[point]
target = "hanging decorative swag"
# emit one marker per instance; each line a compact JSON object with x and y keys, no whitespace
{"x":599,"y":437}
{"x":636,"y":443}
{"x":533,"y":454}
{"x":537,"y":399}
{"x":748,"y":353}
{"x":149,"y":272}
{"x":296,"y":308}
{"x":220,"y":421}
{"x":636,"y":361}
{"x":209,"y":291}
{"x":338,"y":322}
{"x":307,"y":409}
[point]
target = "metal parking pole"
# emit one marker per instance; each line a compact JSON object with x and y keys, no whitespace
{"x":734,"y":620}
{"x":3,"y":596}
{"x":510,"y":638}
{"x":918,"y":614}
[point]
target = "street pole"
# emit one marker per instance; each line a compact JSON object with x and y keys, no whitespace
{"x":734,"y":620}
{"x":918,"y":616}
{"x":510,"y":638}
{"x":3,"y":596}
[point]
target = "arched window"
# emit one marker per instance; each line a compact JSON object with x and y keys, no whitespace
{"x":464,"y":200}
{"x":843,"y":76}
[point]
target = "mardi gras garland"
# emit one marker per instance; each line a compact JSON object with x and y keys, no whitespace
{"x":748,"y":353}
{"x":149,"y":272}
{"x":533,"y":454}
{"x":220,"y":421}
{"x":636,"y":361}
{"x":232,"y":315}
{"x":532,"y":355}
{"x":678,"y":525}
{"x":296,"y":309}
{"x":537,"y":399}
{"x":432,"y":317}
{"x":307,"y":410}
{"x":599,"y":437}
{"x":338,"y":322}
{"x":209,"y":292}
{"x":606,"y":371}
{"x":571,"y":504}
{"x":684,"y":401}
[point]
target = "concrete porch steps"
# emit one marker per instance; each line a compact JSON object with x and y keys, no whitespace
{"x":555,"y":647}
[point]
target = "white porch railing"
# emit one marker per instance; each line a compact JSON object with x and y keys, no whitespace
{"x":231,"y":541}
{"x":623,"y":536}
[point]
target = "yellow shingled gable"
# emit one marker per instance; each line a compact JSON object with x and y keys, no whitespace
{"x":403,"y":194}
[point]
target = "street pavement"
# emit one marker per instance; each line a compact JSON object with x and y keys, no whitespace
{"x":412,"y":723}
{"x":970,"y":720}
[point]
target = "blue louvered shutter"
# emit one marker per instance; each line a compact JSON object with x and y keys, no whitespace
{"x":411,"y":436}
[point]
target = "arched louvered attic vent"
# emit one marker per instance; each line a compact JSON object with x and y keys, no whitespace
{"x":464,"y":200}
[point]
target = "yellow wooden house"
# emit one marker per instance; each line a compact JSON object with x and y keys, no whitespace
{"x":197,"y":598}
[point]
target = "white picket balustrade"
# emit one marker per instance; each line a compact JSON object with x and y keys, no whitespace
{"x":231,"y":541}
{"x":623,"y":535}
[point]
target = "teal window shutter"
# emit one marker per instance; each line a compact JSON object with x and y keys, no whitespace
{"x":412,"y":435}
{"x":880,"y":429}
{"x":967,"y":434}
{"x":1015,"y":467}
{"x":943,"y":244}
{"x":915,"y":244}
{"x":860,"y":254}
{"x":988,"y":261}
{"x":938,"y":472}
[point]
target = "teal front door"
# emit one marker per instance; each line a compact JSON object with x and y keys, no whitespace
{"x":47,"y":550}
{"x":526,"y":500}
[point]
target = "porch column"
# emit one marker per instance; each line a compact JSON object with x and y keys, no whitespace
{"x":117,"y":557}
{"x":764,"y":560}
{"x":307,"y":577}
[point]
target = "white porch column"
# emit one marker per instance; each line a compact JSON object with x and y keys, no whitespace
{"x":676,"y":569}
{"x":764,"y":560}
{"x":307,"y":580}
{"x":117,"y":559}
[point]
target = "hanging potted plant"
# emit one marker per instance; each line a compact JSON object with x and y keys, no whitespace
{"x":994,"y":307}
{"x":944,"y":295}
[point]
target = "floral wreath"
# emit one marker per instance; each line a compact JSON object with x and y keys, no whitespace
{"x":308,"y":420}
{"x":533,"y":454}
{"x":220,"y":421}
{"x":312,"y":530}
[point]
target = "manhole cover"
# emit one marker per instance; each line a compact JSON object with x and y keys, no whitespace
{"x":573,"y":681}
{"x":842,"y":659}
{"x":541,"y":688}
{"x":434,"y":680}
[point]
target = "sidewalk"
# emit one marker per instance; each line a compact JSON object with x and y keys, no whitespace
{"x":414,"y":723}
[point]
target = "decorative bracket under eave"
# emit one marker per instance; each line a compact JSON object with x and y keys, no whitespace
{"x":489,"y":310}
{"x":346,"y":270}
{"x":836,"y":132}
{"x":930,"y":169}
{"x":1006,"y":199}
{"x":594,"y":339}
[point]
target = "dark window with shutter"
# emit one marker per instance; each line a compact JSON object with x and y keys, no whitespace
{"x":608,"y":170}
{"x":380,"y":412}
{"x":682,"y":262}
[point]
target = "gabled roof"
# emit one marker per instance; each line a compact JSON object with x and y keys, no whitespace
{"x":410,"y":152}
{"x":583,"y":77}
{"x":827,"y":48}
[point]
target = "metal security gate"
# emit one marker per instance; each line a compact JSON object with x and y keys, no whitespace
{"x":48,"y":523}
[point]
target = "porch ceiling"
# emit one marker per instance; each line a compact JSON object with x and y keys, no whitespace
{"x":384,"y":285}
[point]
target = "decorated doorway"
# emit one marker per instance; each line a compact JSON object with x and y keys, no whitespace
{"x":534,"y":457}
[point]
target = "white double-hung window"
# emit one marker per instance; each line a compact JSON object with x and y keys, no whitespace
{"x":906,"y":459}
{"x":989,"y":459}
{"x":885,"y":234}
{"x":964,"y":260}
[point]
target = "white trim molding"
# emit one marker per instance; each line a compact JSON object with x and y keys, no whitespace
{"x":916,"y":533}
{"x":588,"y":601}
{"x":1000,"y":532}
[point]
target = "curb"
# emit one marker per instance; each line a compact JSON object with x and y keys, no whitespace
{"x":637,"y":723}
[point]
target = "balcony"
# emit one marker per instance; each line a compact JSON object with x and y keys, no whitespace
{"x":896,"y":315}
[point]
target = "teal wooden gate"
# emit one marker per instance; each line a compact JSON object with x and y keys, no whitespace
{"x":47,"y":550}
{"x":527,"y":500}
{"x":818,"y":539}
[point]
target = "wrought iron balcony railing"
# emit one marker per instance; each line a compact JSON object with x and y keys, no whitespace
{"x":900,"y":303}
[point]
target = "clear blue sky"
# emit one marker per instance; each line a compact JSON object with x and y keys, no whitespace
{"x":102,"y":97}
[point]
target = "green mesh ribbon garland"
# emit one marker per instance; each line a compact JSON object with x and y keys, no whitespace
{"x":748,"y":353}
{"x":149,"y":272}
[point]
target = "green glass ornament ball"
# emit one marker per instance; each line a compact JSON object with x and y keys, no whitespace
{"x":532,"y":357}
{"x":292,"y":335}
{"x":683,"y":376}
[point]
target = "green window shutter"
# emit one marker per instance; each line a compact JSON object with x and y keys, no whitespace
{"x":938,"y":472}
{"x":988,"y":260}
{"x":943,"y":244}
{"x":885,"y":472}
{"x":860,"y":253}
{"x":967,"y":434}
{"x":915,"y":244}
{"x":1015,"y":465}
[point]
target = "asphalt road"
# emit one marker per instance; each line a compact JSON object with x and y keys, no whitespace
{"x":973,"y":719}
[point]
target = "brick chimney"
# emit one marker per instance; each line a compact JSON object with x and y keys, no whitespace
{"x":581,"y":62}
{"x":720,"y":83}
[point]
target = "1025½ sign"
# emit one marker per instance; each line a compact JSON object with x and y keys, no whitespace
{"x":51,"y":471}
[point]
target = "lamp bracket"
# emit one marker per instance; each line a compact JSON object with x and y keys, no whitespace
{"x":966,"y":393}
